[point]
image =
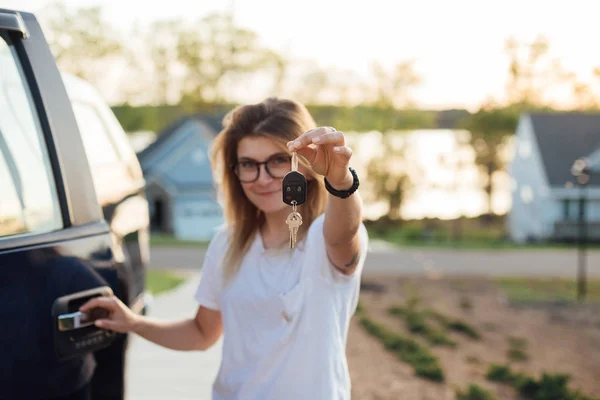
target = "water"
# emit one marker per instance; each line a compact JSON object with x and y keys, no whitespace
{"x":446,"y":182}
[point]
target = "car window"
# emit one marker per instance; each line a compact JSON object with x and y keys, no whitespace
{"x":96,"y":140}
{"x":28,"y":199}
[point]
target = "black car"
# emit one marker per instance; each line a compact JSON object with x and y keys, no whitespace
{"x":73,"y":224}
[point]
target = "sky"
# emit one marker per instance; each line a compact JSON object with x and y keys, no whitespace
{"x":457,"y":45}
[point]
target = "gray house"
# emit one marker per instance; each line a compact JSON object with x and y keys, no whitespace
{"x":179,"y":180}
{"x":545,"y":195}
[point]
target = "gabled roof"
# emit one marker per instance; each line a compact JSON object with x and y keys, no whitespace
{"x":214,"y":122}
{"x":564,"y":137}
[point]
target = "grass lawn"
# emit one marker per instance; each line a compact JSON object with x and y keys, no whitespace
{"x":160,"y":240}
{"x":160,"y":281}
{"x":545,"y":290}
{"x":479,"y":240}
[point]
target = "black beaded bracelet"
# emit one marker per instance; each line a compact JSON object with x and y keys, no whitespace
{"x":344,"y":193}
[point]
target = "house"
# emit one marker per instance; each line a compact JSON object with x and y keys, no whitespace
{"x":545,"y":194}
{"x":179,"y":181}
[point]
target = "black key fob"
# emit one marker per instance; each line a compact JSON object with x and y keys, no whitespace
{"x":294,"y":188}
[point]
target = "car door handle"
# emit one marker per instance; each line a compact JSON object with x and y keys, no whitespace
{"x":71,"y":321}
{"x":79,"y":319}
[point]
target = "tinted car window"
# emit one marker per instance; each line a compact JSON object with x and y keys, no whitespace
{"x":28,"y":199}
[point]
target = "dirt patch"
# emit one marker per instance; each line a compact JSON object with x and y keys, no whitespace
{"x":556,"y":339}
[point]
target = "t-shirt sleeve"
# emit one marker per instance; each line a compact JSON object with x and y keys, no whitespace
{"x":211,"y":277}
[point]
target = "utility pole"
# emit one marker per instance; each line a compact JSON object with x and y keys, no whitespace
{"x":581,"y":171}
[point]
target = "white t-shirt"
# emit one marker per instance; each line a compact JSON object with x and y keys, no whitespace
{"x":285,"y":320}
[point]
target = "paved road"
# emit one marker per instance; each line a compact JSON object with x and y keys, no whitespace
{"x":383,"y":259}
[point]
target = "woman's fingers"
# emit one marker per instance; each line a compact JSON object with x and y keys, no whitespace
{"x":307,"y":138}
{"x":343,"y":151}
{"x":112,"y":325}
{"x":308,"y":152}
{"x":108,"y":303}
{"x":336,"y":138}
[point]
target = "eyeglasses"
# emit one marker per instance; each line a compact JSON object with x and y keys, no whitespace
{"x":276,"y":166}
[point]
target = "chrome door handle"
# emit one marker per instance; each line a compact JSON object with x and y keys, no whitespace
{"x":75,"y":320}
{"x":79,"y":319}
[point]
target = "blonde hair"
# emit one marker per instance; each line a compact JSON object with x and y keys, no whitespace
{"x":281,"y":121}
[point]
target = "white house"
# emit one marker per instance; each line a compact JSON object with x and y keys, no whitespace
{"x":179,"y":179}
{"x":545,"y":194}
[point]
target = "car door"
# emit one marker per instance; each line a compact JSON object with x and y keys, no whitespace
{"x":54,"y":243}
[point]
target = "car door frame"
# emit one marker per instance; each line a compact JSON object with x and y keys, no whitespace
{"x":80,"y":210}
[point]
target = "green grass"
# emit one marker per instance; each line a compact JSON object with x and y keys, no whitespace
{"x":546,"y":290}
{"x":548,"y":387}
{"x":516,"y":355}
{"x":472,"y":239}
{"x":416,"y":322}
{"x":419,"y":357}
{"x":456,"y":325}
{"x":161,"y":240}
{"x":161,"y":281}
{"x":360,"y":308}
{"x":475,"y":392}
{"x":464,"y":328}
{"x":517,"y":349}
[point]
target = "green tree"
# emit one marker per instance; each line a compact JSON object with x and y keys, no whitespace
{"x":393,"y":88}
{"x":533,"y":73}
{"x":313,"y":84}
{"x":214,"y":53}
{"x":490,"y":126}
{"x":391,"y":174}
{"x":81,"y":41}
{"x":392,"y":91}
{"x":586,"y":95}
{"x":161,"y":41}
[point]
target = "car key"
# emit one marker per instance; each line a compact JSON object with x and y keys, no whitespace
{"x":294,"y":185}
{"x":294,"y":194}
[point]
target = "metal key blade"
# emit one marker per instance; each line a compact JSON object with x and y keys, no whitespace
{"x":293,"y":221}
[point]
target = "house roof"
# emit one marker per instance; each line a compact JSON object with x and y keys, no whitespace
{"x":563,"y":138}
{"x":214,"y":122}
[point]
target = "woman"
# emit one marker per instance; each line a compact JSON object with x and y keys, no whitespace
{"x":284,"y":313}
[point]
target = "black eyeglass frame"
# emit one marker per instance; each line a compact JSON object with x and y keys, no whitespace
{"x":235,"y":167}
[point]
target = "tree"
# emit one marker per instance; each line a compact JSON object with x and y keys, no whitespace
{"x":80,"y":40}
{"x":392,"y":92}
{"x":162,"y":49}
{"x":489,"y":128}
{"x":584,"y":95}
{"x":314,"y":82}
{"x":214,"y":53}
{"x":390,"y":174}
{"x":533,"y":73}
{"x":392,"y":89}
